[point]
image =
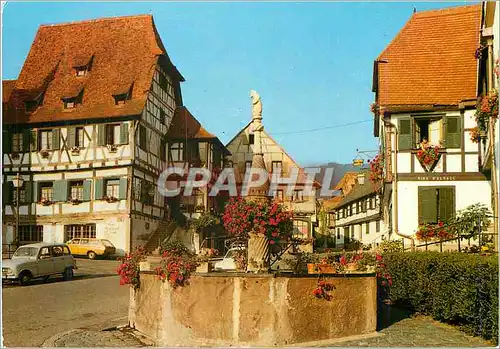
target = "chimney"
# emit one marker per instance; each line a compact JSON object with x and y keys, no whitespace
{"x":361,"y":178}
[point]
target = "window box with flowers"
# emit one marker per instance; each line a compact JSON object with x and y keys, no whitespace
{"x":112,"y":148}
{"x":110,"y":199}
{"x":486,"y":109}
{"x":75,"y":150}
{"x":428,"y":155}
{"x":44,"y":153}
{"x":376,"y":174}
{"x":45,"y":202}
{"x":75,"y":201}
{"x":430,"y":231}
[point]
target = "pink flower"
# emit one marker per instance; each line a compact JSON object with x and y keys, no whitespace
{"x":272,"y":242}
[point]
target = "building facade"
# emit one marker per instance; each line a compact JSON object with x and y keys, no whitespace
{"x":276,"y":159}
{"x":430,"y":106}
{"x":85,"y":126}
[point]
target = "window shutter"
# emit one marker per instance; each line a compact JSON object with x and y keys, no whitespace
{"x":453,"y":138}
{"x":7,"y":142}
{"x":36,"y":192}
{"x":101,"y":134}
{"x":163,"y":150}
{"x":124,"y":133}
{"x":56,"y":138}
{"x":446,"y":204}
{"x":427,"y":205}
{"x":99,"y":189}
{"x":34,"y":140}
{"x":123,"y":189}
{"x":405,"y":136}
{"x":7,"y":188}
{"x":71,"y":137}
{"x":87,"y":187}
{"x":26,"y":140}
{"x":61,"y":190}
{"x":28,"y":196}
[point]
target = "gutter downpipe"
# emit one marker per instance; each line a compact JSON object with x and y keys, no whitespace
{"x":395,"y":180}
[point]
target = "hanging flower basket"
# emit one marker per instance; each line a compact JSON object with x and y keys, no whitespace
{"x":376,"y":175}
{"x":429,"y":156}
{"x":474,"y":135}
{"x":486,"y":108}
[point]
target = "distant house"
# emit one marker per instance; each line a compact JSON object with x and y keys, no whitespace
{"x":85,"y":125}
{"x":425,"y":96}
{"x":358,"y":215}
{"x":276,"y":159}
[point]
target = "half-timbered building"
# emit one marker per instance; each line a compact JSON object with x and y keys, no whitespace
{"x":425,"y":92}
{"x":85,"y":126}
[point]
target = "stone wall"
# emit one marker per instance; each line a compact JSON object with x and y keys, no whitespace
{"x":252,"y":310}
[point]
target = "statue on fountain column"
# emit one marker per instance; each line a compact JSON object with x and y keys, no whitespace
{"x":256,"y":105}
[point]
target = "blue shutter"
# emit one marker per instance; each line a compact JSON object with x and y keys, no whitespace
{"x":124,"y":133}
{"x":87,"y":187}
{"x":123,"y":189}
{"x":99,"y":189}
{"x":61,"y":190}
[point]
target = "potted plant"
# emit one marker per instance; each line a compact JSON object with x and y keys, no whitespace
{"x":112,"y":148}
{"x":474,"y":134}
{"x":486,"y":108}
{"x":109,"y":199}
{"x":75,"y":150}
{"x":74,"y":201}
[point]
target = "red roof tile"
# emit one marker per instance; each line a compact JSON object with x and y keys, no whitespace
{"x":123,"y":50}
{"x":431,"y":61}
{"x":7,"y":88}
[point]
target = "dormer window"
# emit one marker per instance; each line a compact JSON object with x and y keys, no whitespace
{"x":73,"y":98}
{"x":82,"y":64}
{"x":123,"y":93}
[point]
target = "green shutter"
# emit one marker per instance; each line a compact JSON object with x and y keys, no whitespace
{"x":87,"y":187}
{"x":405,"y":136}
{"x":28,"y":196}
{"x":7,"y":192}
{"x":427,"y":205}
{"x":367,"y":228}
{"x":123,"y":189}
{"x":163,"y":150}
{"x":124,"y":133}
{"x":61,"y":190}
{"x":7,"y":141}
{"x":56,"y":139}
{"x":26,"y":140}
{"x":36,"y":192}
{"x":446,"y":204}
{"x":34,"y":140}
{"x":453,"y":129}
{"x":71,"y":138}
{"x":99,"y":189}
{"x":101,"y":134}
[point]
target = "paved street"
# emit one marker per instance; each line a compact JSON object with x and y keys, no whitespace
{"x":92,"y":300}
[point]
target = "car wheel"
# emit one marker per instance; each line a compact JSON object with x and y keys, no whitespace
{"x":25,"y":278}
{"x":46,"y":278}
{"x":91,"y":255}
{"x":68,"y":274}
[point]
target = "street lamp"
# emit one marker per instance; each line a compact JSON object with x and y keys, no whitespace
{"x":18,"y":182}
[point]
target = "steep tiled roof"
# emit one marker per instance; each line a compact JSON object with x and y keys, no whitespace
{"x":346,"y":184}
{"x":120,"y":50}
{"x":185,"y":125}
{"x":7,"y":88}
{"x":358,"y":192}
{"x":431,"y":61}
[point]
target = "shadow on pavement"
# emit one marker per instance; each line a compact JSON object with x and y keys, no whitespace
{"x":56,"y":279}
{"x":388,"y":315}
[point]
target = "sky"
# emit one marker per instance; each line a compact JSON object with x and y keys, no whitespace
{"x":311,"y":63}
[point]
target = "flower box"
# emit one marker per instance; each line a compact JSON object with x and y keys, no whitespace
{"x":44,"y":154}
{"x":109,"y":199}
{"x":112,"y":148}
{"x":75,"y":150}
{"x":313,"y":268}
{"x":45,"y":202}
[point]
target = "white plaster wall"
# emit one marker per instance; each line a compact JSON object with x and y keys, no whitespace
{"x":404,"y":162}
{"x":466,"y":193}
{"x":114,"y":229}
{"x":454,"y":163}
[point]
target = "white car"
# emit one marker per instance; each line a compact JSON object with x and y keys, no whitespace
{"x":227,"y":263}
{"x":40,"y":260}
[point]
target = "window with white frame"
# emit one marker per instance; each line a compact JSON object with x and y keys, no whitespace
{"x":17,"y":142}
{"x":79,"y":137}
{"x":300,"y":229}
{"x":76,"y":190}
{"x":113,"y":134}
{"x":277,"y":167}
{"x":112,"y":188}
{"x":298,"y":195}
{"x":45,"y":140}
{"x":47,"y":191}
{"x":278,"y":195}
{"x":79,"y":231}
{"x":177,"y":151}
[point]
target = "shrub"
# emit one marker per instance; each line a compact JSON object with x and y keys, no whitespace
{"x":391,"y":246}
{"x":454,"y":287}
{"x":129,"y":267}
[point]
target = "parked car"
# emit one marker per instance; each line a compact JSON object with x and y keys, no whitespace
{"x":91,"y":248}
{"x":227,"y":263}
{"x":40,"y":260}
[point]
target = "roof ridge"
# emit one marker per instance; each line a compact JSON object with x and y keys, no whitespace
{"x":95,"y":20}
{"x":453,"y":9}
